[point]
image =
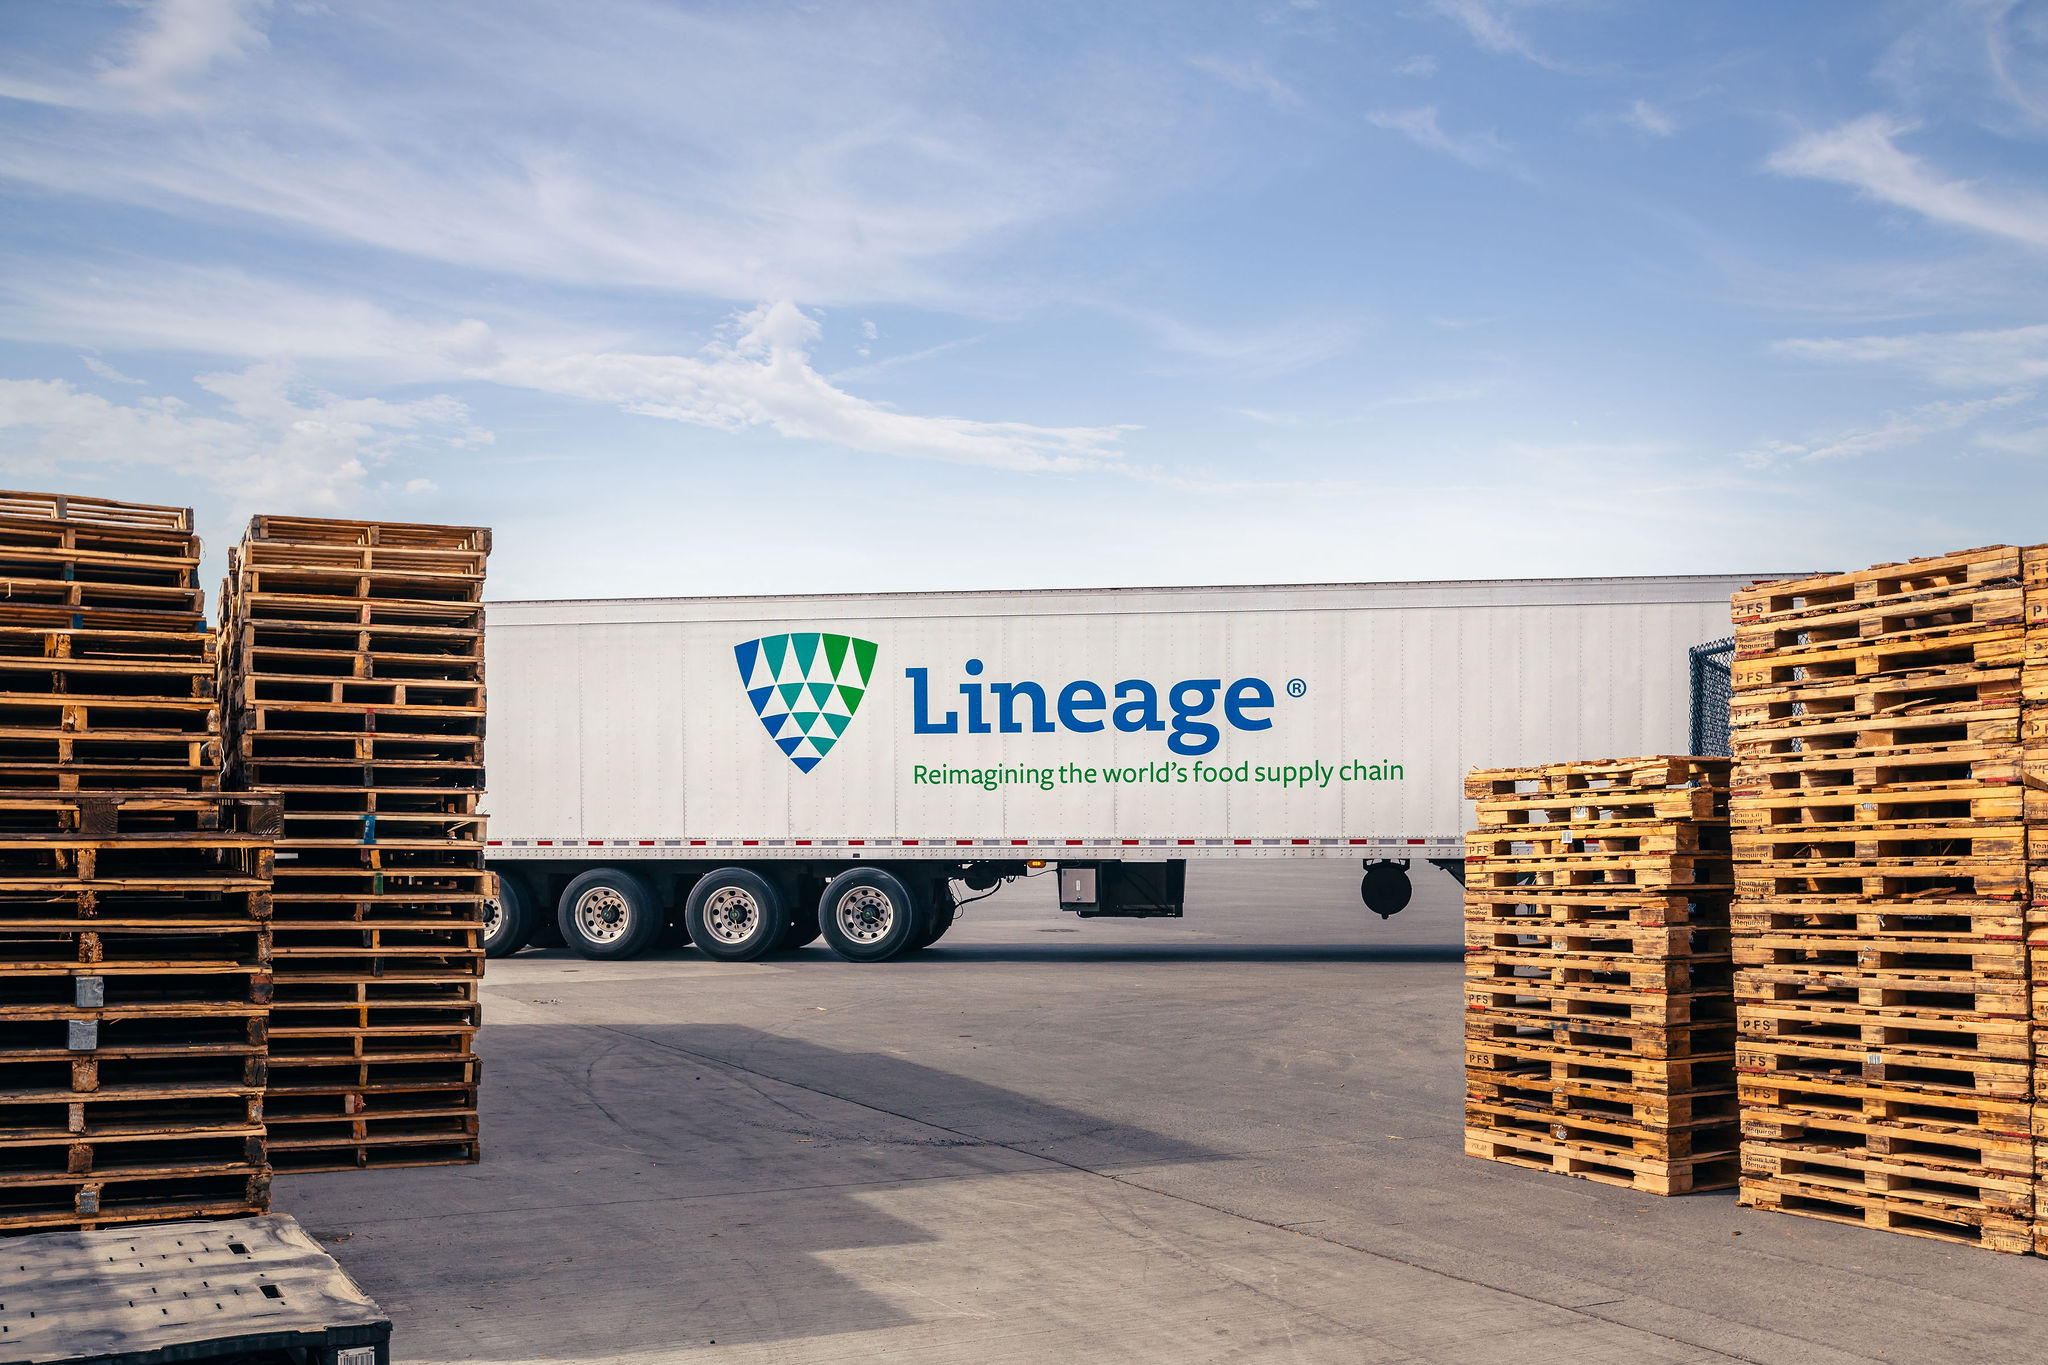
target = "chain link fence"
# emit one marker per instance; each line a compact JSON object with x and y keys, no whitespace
{"x":1712,"y":690}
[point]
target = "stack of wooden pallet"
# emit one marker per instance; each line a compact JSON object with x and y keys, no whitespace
{"x":352,"y":665}
{"x":134,"y":897}
{"x":1599,"y":1026}
{"x":2034,"y":771}
{"x":1881,"y":870}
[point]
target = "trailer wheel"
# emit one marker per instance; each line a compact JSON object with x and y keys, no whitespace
{"x":609,"y":913}
{"x":801,"y":929}
{"x":734,"y":915}
{"x":937,"y":917}
{"x":867,"y":915}
{"x":508,"y":917}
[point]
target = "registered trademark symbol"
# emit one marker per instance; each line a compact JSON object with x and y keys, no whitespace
{"x":1296,"y":687}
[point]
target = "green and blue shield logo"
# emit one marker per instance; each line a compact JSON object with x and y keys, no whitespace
{"x":806,"y":687}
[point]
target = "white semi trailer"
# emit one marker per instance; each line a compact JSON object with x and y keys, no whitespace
{"x":754,"y":772}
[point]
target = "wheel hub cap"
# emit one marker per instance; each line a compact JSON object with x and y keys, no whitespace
{"x":865,"y":914}
{"x":603,"y":915}
{"x":732,"y":915}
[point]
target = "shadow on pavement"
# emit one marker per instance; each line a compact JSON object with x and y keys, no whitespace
{"x":650,"y":1188}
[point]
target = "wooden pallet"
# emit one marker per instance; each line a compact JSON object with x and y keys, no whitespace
{"x":1663,"y":873}
{"x":1540,"y":968}
{"x":1601,"y":779}
{"x":1532,"y":1061}
{"x":1788,"y":814}
{"x":1971,"y":1150}
{"x":1544,"y":842}
{"x":136,"y":1195}
{"x":389,"y":1153}
{"x":417,"y":537}
{"x":1901,"y":769}
{"x":1964,"y":992}
{"x":1922,"y":921}
{"x":1604,"y":1135}
{"x":1680,"y":955}
{"x":2003,"y":845}
{"x":1648,"y":1175}
{"x":1931,"y":1069}
{"x":1940,"y":614}
{"x":1941,"y":1178}
{"x":1954,"y":690}
{"x":1607,"y":910}
{"x":1620,"y":1103}
{"x":1894,"y":882}
{"x":1952,"y":1034}
{"x":1929,"y":577}
{"x":1841,"y":1202}
{"x":1696,"y":804}
{"x":1785,"y":1097}
{"x":1599,"y":1038}
{"x":1530,"y":998}
{"x":1824,"y":734}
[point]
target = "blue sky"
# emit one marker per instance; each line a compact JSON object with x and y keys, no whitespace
{"x":756,"y":298}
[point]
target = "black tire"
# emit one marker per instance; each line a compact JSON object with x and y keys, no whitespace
{"x":735,"y":915}
{"x":547,"y":929}
{"x":801,"y":929}
{"x":867,"y":915}
{"x":609,"y":913}
{"x":937,"y":907}
{"x":508,"y":917}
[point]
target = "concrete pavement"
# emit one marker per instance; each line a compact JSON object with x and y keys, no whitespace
{"x":1231,"y":1137}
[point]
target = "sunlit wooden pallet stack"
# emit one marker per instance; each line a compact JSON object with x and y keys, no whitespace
{"x":2034,"y":774}
{"x":134,"y":898}
{"x":352,"y":667}
{"x":1599,"y":1031}
{"x":1881,"y":968}
{"x":106,"y":662}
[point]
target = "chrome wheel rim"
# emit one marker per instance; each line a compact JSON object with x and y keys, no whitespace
{"x":732,"y":914}
{"x":865,"y":915}
{"x":494,"y":916}
{"x":603,"y":915}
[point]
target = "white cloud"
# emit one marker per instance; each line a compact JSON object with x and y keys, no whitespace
{"x":1489,"y":24}
{"x":1864,"y":154}
{"x":418,"y":486}
{"x":833,"y":158}
{"x":1250,"y":77}
{"x":1422,"y":127}
{"x":1987,"y":359}
{"x":1645,"y":117}
{"x":222,"y":311}
{"x":1892,"y":431}
{"x":270,"y":440}
{"x":107,"y":372}
{"x":2027,"y":441}
{"x":1424,"y":65}
{"x":761,"y":376}
{"x":178,"y":42}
